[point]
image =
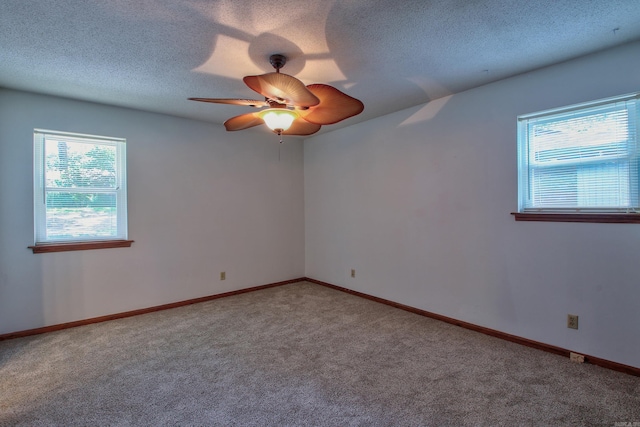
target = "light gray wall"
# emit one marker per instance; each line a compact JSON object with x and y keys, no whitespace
{"x":418,"y":203}
{"x":201,"y":201}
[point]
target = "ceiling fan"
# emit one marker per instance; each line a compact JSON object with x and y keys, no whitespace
{"x":292,"y":107}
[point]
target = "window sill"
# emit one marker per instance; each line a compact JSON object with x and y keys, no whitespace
{"x":612,"y":218}
{"x":79,"y":246}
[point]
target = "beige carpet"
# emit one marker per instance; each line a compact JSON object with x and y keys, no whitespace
{"x":298,"y":354}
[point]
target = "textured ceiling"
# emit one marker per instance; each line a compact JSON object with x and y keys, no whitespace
{"x":391,"y":54}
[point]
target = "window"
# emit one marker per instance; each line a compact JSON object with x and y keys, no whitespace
{"x":79,"y":188}
{"x":580,"y":159}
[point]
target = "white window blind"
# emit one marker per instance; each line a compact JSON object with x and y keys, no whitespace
{"x":582,"y":158}
{"x":79,"y":187}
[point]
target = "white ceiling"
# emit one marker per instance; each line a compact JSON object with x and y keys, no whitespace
{"x":391,"y":54}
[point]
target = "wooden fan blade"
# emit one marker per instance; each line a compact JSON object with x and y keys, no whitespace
{"x":233,"y":101}
{"x":243,"y":121}
{"x":334,"y":106}
{"x":282,"y":88}
{"x":302,"y":127}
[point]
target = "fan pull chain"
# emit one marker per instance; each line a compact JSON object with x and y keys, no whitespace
{"x":279,"y":133}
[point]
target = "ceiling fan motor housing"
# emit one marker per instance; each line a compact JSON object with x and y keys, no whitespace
{"x":278,"y":61}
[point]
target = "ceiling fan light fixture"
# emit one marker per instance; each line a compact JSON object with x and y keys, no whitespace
{"x":278,"y":119}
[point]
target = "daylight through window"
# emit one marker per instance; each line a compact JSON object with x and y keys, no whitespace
{"x":79,"y":187}
{"x":582,"y":158}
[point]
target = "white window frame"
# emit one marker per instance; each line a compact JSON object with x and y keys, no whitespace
{"x":525,"y":166}
{"x":40,"y":189}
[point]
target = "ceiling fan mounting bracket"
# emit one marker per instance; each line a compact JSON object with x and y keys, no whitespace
{"x":278,"y":61}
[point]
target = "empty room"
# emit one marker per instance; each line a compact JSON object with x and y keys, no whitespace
{"x":319,"y":213}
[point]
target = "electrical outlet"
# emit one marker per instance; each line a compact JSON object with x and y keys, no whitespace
{"x":572,"y":321}
{"x":576,"y":358}
{"x":353,"y":273}
{"x":223,"y":275}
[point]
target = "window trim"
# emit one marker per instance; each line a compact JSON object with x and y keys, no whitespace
{"x":40,"y":189}
{"x":584,"y":215}
{"x":605,"y":218}
{"x":43,"y":248}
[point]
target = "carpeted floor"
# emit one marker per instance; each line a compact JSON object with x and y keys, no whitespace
{"x":299,"y":354}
